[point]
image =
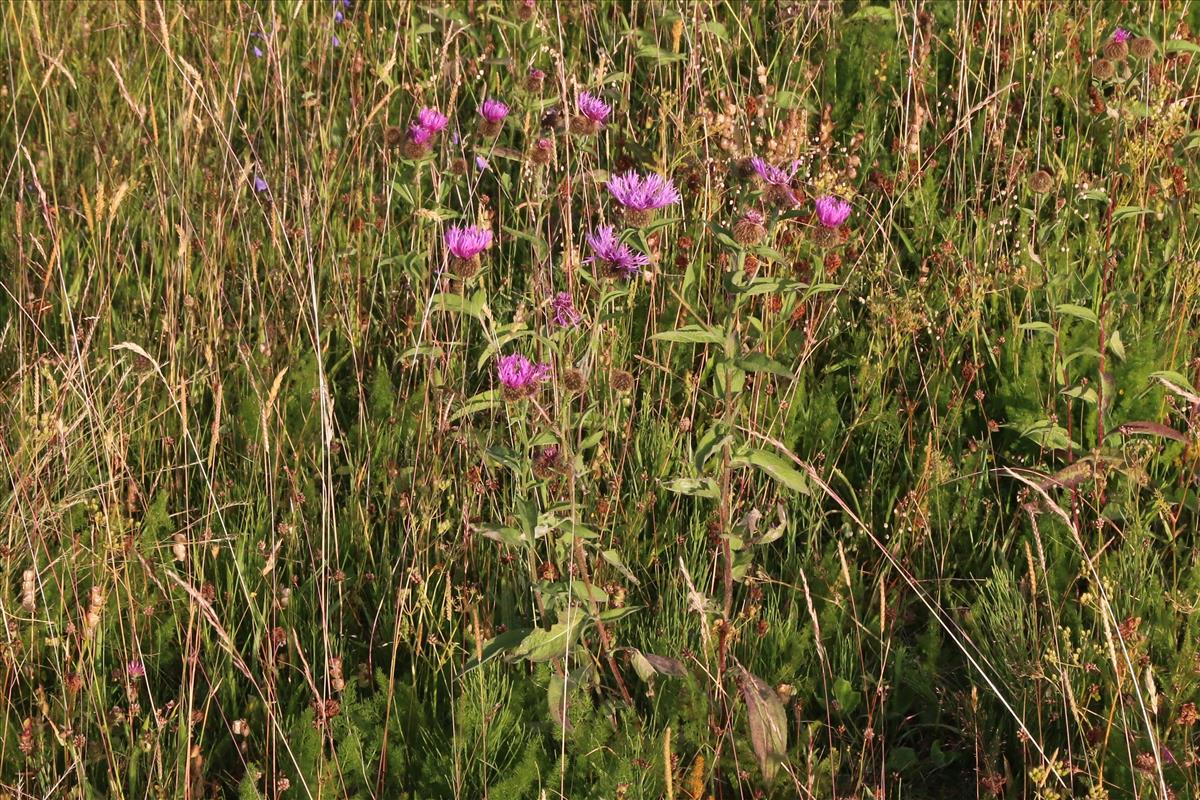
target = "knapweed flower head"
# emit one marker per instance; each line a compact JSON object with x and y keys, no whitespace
{"x":1121,"y":35}
{"x":135,"y":669}
{"x":465,"y":243}
{"x":616,"y":260}
{"x":542,"y":152}
{"x":519,"y":376}
{"x":565,"y":313}
{"x":493,"y":110}
{"x":832,"y":212}
{"x":419,"y":134}
{"x":778,"y":181}
{"x":772,"y":174}
{"x":432,"y":120}
{"x":593,"y":107}
{"x":493,"y":113}
{"x":641,"y":195}
{"x":750,"y":230}
{"x":535,"y":79}
{"x":593,"y":112}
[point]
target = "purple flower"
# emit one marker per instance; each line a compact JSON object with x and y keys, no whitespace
{"x":432,"y":120}
{"x":338,"y":16}
{"x":258,"y":53}
{"x":643,"y":192}
{"x":615,"y":257}
{"x":593,"y":107}
{"x":832,"y":212}
{"x":418,"y":134}
{"x":772,"y":174}
{"x":481,"y":162}
{"x":1121,"y":35}
{"x":537,"y":74}
{"x":493,"y":110}
{"x":260,"y":183}
{"x":466,"y":243}
{"x":135,"y":669}
{"x":565,"y":313}
{"x":519,"y":375}
{"x":754,"y":216}
{"x":336,"y":41}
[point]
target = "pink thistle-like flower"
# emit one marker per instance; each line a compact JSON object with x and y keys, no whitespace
{"x":432,"y":120}
{"x":832,"y":212}
{"x":643,"y":192}
{"x":772,"y":174}
{"x":135,"y":669}
{"x":593,"y":107}
{"x":466,"y":243}
{"x":565,"y":313}
{"x":519,"y":376}
{"x":616,"y":259}
{"x":418,"y":134}
{"x":1121,"y":35}
{"x":493,"y":110}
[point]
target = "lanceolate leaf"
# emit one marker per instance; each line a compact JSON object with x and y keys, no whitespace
{"x":768,"y":723}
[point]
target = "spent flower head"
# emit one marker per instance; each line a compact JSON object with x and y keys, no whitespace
{"x":565,"y":313}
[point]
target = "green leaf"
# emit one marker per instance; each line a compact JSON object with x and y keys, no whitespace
{"x":692,"y":334}
{"x":694,"y":487}
{"x":901,"y":758}
{"x":1043,"y":327}
{"x":614,"y":559}
{"x":761,"y":362}
{"x":1180,"y":46}
{"x":1072,"y":310}
{"x":846,"y":696}
{"x":778,"y":468}
{"x":499,"y":645}
{"x":480,"y":402}
{"x":542,"y":645}
{"x":874,"y":15}
{"x":586,"y":592}
{"x":1116,"y":345}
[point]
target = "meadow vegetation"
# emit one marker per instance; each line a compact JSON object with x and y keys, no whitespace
{"x":585,"y":399}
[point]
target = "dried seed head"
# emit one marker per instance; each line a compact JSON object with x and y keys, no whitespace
{"x":542,"y":152}
{"x":749,"y":230}
{"x":582,"y":126}
{"x":491,"y":128}
{"x":1103,"y":69}
{"x":393,"y":135}
{"x":1041,"y":181}
{"x":1116,"y":51}
{"x":414,"y":150}
{"x":574,"y":381}
{"x":621,"y":381}
{"x":1142,"y":47}
{"x":458,"y":166}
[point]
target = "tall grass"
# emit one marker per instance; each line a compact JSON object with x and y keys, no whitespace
{"x":904,"y":507}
